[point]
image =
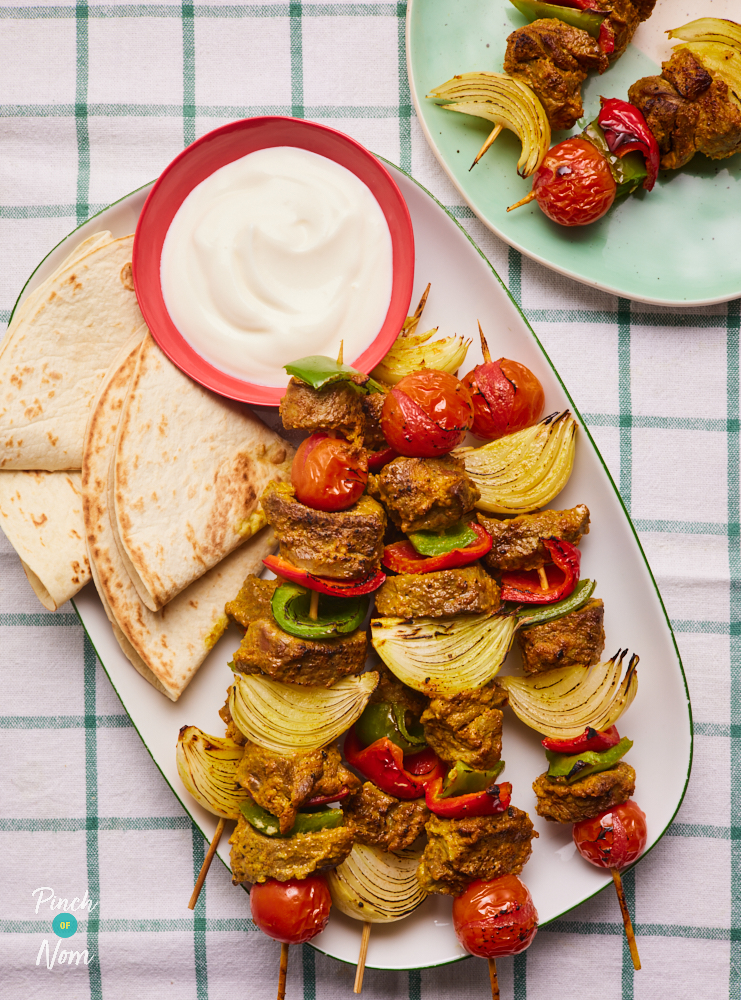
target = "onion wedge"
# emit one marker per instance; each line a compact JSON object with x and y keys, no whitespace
{"x":444,"y":656}
{"x":411,"y":352}
{"x":709,"y":29}
{"x":562,"y":703}
{"x":376,"y":886}
{"x":524,"y":471}
{"x":506,"y":103}
{"x":292,"y":718}
{"x":207,"y":766}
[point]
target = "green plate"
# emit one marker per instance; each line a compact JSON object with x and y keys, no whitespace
{"x":676,"y":246}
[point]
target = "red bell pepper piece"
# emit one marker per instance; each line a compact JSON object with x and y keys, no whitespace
{"x":383,"y":763}
{"x":524,"y":585}
{"x":324,"y":800}
{"x":606,"y":39}
{"x":590,"y":739}
{"x":377,"y":459}
{"x":626,"y":129}
{"x":402,"y":557}
{"x":322,"y":584}
{"x":494,"y":799}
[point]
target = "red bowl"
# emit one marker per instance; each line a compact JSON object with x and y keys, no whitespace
{"x":215,"y":150}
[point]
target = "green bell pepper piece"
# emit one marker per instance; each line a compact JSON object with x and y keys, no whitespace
{"x":319,"y":371}
{"x":579,"y":765}
{"x":438,"y":543}
{"x":384,"y":719}
{"x":336,"y":616}
{"x":463,"y":780}
{"x":319,"y":818}
{"x":629,"y":171}
{"x":578,"y":597}
{"x":588,"y":21}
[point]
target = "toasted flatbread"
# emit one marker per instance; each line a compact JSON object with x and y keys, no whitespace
{"x":186,"y":477}
{"x":169,"y":645}
{"x":41,"y":515}
{"x":61,"y":342}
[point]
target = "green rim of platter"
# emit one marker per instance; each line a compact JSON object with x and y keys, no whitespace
{"x":607,"y":473}
{"x":674,"y":246}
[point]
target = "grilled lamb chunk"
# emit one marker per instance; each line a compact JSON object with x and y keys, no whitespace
{"x":517,"y":542}
{"x":267,"y":649}
{"x":459,"y":851}
{"x":231,"y":727}
{"x":374,"y":439}
{"x":583,"y":799}
{"x":391,"y":691}
{"x":252,"y":601}
{"x":342,"y":545}
{"x":336,"y":408}
{"x":283,"y":784}
{"x":644,"y":8}
{"x":577,"y":638}
{"x":467,"y":727}
{"x":553,"y":59}
{"x":623,"y":17}
{"x":689,"y":111}
{"x":382,"y":821}
{"x":424,"y":493}
{"x":256,"y":858}
{"x":434,"y":595}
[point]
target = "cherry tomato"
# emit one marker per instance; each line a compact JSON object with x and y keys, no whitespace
{"x":574,"y":184}
{"x":291,"y":912}
{"x":328,"y":473}
{"x":495,"y":918}
{"x":426,"y":414}
{"x":613,"y":839}
{"x":506,"y":397}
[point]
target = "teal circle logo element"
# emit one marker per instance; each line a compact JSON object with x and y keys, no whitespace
{"x":64,"y":925}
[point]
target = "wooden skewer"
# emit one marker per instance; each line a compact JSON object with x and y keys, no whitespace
{"x":484,"y":346}
{"x":314,"y":606}
{"x":543,"y":578}
{"x":411,"y":324}
{"x":282,"y":971}
{"x":626,"y":919}
{"x":523,"y":201}
{"x":206,"y":864}
{"x":359,"y":972}
{"x":493,"y":979}
{"x":341,"y":352}
{"x":487,"y":144}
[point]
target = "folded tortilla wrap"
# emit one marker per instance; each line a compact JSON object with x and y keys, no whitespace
{"x":59,"y":346}
{"x":186,"y":478}
{"x":41,"y":515}
{"x":169,"y":645}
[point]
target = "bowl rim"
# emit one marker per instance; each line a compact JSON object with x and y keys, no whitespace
{"x":202,"y":158}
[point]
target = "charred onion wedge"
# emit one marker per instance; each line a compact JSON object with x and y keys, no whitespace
{"x":506,"y":103}
{"x":207,"y":766}
{"x":376,"y":886}
{"x":444,"y":656}
{"x":522,"y":472}
{"x":562,"y":703}
{"x":709,"y":29}
{"x":293,"y":718}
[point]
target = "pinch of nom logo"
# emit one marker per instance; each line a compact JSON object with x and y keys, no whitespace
{"x":64,"y":925}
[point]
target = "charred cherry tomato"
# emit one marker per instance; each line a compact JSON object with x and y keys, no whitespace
{"x":506,"y":396}
{"x":291,"y":912}
{"x":426,"y":414}
{"x":328,"y":473}
{"x":495,"y":918}
{"x":574,"y":184}
{"x":613,"y":839}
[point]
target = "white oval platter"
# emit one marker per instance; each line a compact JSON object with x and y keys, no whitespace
{"x":464,"y":289}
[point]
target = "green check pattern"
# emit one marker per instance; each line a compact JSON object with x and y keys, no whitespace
{"x":95,"y":99}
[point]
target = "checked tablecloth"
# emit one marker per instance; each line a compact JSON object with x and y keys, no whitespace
{"x":95,"y":99}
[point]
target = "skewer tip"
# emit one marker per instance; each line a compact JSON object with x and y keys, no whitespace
{"x":484,"y":346}
{"x":282,"y":972}
{"x":523,"y":201}
{"x":493,"y":979}
{"x":360,"y":971}
{"x":627,"y":922}
{"x":207,"y":863}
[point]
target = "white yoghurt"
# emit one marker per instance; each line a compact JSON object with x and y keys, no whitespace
{"x":278,"y":255}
